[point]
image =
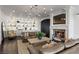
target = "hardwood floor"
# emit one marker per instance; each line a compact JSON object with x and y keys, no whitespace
{"x":10,"y":46}
{"x":73,"y":50}
{"x":0,"y":49}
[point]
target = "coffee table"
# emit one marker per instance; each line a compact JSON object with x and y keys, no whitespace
{"x":36,"y":41}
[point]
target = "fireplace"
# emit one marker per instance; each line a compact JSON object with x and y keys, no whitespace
{"x":62,"y":31}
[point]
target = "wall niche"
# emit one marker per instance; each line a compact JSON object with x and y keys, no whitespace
{"x":59,"y":19}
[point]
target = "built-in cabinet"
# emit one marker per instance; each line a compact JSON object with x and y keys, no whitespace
{"x":59,"y":19}
{"x":59,"y":24}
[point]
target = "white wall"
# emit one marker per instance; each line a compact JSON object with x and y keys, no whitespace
{"x":0,"y":28}
{"x":76,"y":27}
{"x":13,"y":20}
{"x":0,"y":33}
{"x":30,"y":20}
{"x":58,"y":11}
{"x":76,"y":22}
{"x":73,"y":23}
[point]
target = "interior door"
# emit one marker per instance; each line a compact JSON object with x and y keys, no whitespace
{"x":45,"y":27}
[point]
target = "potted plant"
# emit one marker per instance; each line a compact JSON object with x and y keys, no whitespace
{"x":40,"y":35}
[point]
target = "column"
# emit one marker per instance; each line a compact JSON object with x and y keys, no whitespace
{"x":51,"y":24}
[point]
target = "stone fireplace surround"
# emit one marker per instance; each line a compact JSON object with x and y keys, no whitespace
{"x":61,"y":28}
{"x":62,"y":31}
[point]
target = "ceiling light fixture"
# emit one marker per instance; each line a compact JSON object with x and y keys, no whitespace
{"x":33,"y":6}
{"x":25,"y":10}
{"x":13,"y":11}
{"x":51,"y":9}
{"x":44,"y":8}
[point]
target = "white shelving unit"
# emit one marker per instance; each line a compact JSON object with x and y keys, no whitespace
{"x":59,"y":26}
{"x":23,"y":25}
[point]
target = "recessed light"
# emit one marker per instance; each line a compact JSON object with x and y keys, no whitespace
{"x":25,"y":10}
{"x":44,"y":8}
{"x":13,"y":10}
{"x":31,"y":7}
{"x":51,"y":9}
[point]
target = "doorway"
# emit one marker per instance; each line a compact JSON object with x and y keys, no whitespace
{"x":45,"y":27}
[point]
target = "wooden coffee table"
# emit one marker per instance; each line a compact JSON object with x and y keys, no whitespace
{"x":36,"y":40}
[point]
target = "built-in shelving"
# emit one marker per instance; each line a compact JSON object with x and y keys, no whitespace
{"x":19,"y":25}
{"x":59,"y":24}
{"x":59,"y":19}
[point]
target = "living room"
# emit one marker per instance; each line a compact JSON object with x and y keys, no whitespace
{"x":22,"y":26}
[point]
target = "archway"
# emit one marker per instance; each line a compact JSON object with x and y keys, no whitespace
{"x":45,"y":27}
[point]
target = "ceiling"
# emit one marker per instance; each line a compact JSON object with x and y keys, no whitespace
{"x":40,"y":11}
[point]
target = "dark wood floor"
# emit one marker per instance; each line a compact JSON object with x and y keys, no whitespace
{"x":0,"y":48}
{"x":9,"y":47}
